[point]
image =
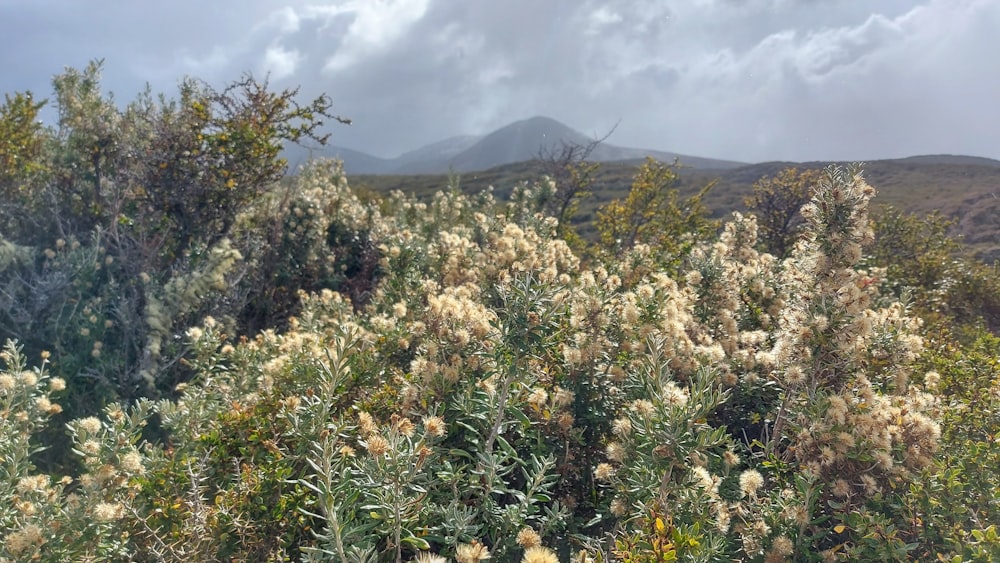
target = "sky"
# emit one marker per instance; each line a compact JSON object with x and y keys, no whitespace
{"x":747,"y":80}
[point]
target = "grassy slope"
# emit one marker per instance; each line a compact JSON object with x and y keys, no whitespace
{"x":968,"y":191}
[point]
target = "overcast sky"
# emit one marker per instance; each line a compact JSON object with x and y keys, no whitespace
{"x":748,"y":80}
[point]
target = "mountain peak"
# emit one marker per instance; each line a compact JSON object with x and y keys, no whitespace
{"x":519,"y":141}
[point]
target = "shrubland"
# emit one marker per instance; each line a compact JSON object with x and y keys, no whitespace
{"x":207,"y":361}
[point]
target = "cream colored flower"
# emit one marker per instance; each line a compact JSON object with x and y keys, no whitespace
{"x":730,"y":458}
{"x":106,"y":511}
{"x":399,"y":310}
{"x":621,"y":427}
{"x":750,"y":481}
{"x":538,"y":398}
{"x":132,"y":463}
{"x":43,"y":403}
{"x":435,"y":426}
{"x":782,"y":546}
{"x":615,"y":452}
{"x":366,"y":424}
{"x":604,"y":471}
{"x":405,"y":427}
{"x":7,"y":382}
{"x":563,"y":397}
{"x":528,"y":538}
{"x":28,"y":378}
{"x":841,"y":488}
{"x":32,"y":483}
{"x":539,"y":554}
{"x":931,"y":380}
{"x":643,"y":407}
{"x":24,"y":540}
{"x":471,"y":552}
{"x":91,"y":447}
{"x":90,"y":425}
{"x":377,"y":445}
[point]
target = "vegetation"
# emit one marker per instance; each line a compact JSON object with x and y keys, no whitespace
{"x":776,"y":202}
{"x":206,"y":361}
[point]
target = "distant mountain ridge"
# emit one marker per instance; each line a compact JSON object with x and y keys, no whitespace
{"x":517,"y":142}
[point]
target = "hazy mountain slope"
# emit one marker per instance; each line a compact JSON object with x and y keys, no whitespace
{"x":428,"y":158}
{"x":517,"y":142}
{"x":949,"y":159}
{"x":357,"y":162}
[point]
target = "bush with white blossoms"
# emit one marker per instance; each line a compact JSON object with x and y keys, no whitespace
{"x":491,"y":396}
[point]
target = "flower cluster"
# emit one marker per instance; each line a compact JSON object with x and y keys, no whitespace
{"x":859,"y":426}
{"x":487,"y":394}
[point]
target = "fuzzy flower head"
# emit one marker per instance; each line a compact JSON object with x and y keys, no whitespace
{"x":538,"y":398}
{"x":89,"y":425}
{"x":132,"y":463}
{"x":782,"y":547}
{"x":618,"y":507}
{"x":621,"y":427}
{"x":730,"y":458}
{"x":615,"y":452}
{"x":107,"y":512}
{"x":377,"y":446}
{"x":7,"y":383}
{"x":25,"y":540}
{"x":28,"y":378}
{"x":404,"y":426}
{"x":471,"y":552}
{"x":528,"y":538}
{"x":539,"y":554}
{"x":750,"y":481}
{"x":435,"y":426}
{"x":563,"y":397}
{"x":931,"y":380}
{"x":366,"y":424}
{"x":604,"y":471}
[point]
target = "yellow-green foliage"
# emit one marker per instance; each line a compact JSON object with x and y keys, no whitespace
{"x":652,"y":214}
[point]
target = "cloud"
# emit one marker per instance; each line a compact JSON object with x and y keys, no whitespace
{"x":881,"y":86}
{"x":279,"y":62}
{"x":742,"y":79}
{"x":375,"y":26}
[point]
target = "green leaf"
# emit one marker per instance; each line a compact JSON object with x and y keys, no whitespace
{"x":418,"y":543}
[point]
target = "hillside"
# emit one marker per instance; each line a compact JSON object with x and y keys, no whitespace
{"x":966,"y":189}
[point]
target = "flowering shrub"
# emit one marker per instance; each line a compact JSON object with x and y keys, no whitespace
{"x":477,"y":390}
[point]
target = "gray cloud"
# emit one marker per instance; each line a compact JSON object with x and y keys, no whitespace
{"x":742,"y":79}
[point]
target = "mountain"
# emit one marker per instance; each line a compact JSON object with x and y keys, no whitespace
{"x":427,"y":158}
{"x":359,"y":162}
{"x":517,"y":142}
{"x":950,"y":159}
